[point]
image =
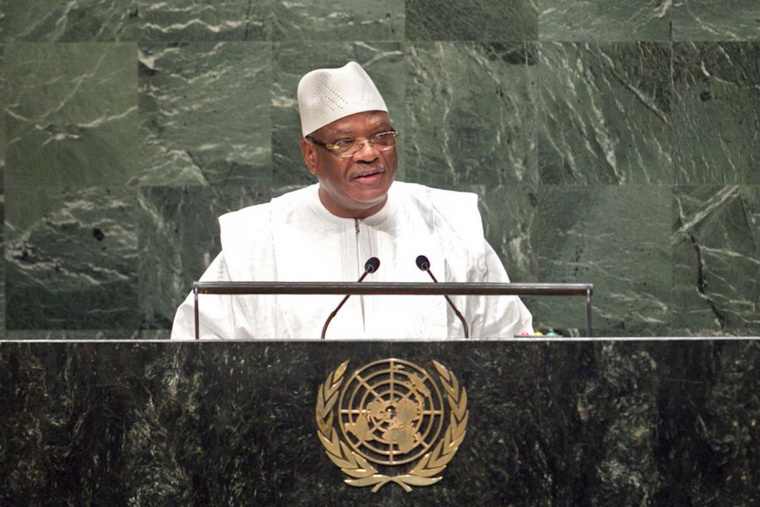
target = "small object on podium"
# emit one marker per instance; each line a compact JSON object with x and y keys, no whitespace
{"x":549,"y":334}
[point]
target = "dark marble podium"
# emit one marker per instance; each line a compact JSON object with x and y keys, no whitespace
{"x":551,"y":422}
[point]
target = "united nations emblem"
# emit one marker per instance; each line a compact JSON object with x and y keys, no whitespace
{"x":391,"y":414}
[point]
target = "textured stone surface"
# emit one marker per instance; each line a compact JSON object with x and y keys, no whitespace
{"x":600,"y":20}
{"x":548,"y":110}
{"x":605,"y":113}
{"x":3,"y":105}
{"x":471,"y":113}
{"x":510,"y":218}
{"x":716,"y":106}
{"x":716,"y":251}
{"x":71,"y":114}
{"x":77,"y":21}
{"x":188,"y":20}
{"x":3,"y":102}
{"x":331,"y":20}
{"x":205,"y":113}
{"x":71,"y":259}
{"x":616,"y":237}
{"x":643,"y":20}
{"x":568,"y":423}
{"x":716,"y":20}
{"x":472,"y":20}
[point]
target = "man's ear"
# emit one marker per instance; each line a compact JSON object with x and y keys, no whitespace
{"x":309,"y":152}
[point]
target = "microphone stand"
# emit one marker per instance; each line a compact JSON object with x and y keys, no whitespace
{"x":424,"y":264}
{"x":369,"y":267}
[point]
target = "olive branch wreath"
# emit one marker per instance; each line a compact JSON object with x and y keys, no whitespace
{"x":362,"y":473}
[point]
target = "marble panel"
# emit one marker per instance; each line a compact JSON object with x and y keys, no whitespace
{"x":716,"y":108}
{"x":71,"y":114}
{"x":190,"y":20}
{"x":179,"y":237}
{"x":472,"y":20}
{"x":71,"y":258}
{"x":383,"y":61}
{"x":335,"y":20}
{"x":717,"y":20}
{"x":716,"y":252}
{"x":3,"y":106}
{"x":205,"y":113}
{"x":617,"y":238}
{"x":707,"y":389}
{"x":471,"y":114}
{"x":2,"y":185}
{"x":605,"y":113}
{"x":605,"y":20}
{"x":76,"y":21}
{"x":561,"y":422}
{"x":510,"y":223}
{"x":2,"y":267}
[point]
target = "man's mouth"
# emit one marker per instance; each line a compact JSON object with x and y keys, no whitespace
{"x":368,"y":175}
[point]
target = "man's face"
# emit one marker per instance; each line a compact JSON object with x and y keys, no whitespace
{"x":355,"y":186}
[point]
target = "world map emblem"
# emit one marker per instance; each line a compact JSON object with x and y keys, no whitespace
{"x":389,"y":422}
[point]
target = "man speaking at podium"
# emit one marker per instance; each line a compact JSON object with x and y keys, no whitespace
{"x":328,"y":231}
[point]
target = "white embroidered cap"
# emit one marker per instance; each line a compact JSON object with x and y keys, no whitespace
{"x":326,"y":95}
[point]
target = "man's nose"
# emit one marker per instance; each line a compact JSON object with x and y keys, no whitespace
{"x":367,"y":152}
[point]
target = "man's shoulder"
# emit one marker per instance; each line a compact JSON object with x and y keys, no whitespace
{"x":441,"y":200}
{"x":457,"y":209}
{"x":246,"y":214}
{"x":419,"y":189}
{"x":259,"y":215}
{"x":454,"y":218}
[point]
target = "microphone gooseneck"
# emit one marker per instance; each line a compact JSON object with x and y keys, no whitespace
{"x":424,"y":264}
{"x":372,"y":264}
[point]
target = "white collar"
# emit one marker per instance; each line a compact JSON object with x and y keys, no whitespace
{"x":315,"y":204}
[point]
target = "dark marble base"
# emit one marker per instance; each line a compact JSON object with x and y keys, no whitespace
{"x":550,"y":423}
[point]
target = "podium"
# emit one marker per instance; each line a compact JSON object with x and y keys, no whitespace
{"x":550,"y":422}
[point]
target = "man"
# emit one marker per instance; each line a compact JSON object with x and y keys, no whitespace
{"x":326,"y":232}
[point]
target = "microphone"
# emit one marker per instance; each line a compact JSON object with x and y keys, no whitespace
{"x":369,"y":267}
{"x":424,"y":264}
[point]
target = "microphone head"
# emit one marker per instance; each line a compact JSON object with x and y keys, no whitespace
{"x":372,"y":264}
{"x":423,"y":263}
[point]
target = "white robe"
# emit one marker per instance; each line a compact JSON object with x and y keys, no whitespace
{"x":294,"y":238}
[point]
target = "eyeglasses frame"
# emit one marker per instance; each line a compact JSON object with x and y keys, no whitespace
{"x":331,"y":148}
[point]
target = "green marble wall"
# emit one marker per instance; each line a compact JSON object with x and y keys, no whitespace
{"x":613,"y":142}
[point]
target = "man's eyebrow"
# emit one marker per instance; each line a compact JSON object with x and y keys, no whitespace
{"x":379,"y":124}
{"x":381,"y":121}
{"x":384,"y":126}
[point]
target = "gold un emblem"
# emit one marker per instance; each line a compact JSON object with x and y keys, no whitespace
{"x":391,"y":414}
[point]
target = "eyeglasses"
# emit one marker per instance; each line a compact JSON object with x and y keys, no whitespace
{"x":349,"y":147}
